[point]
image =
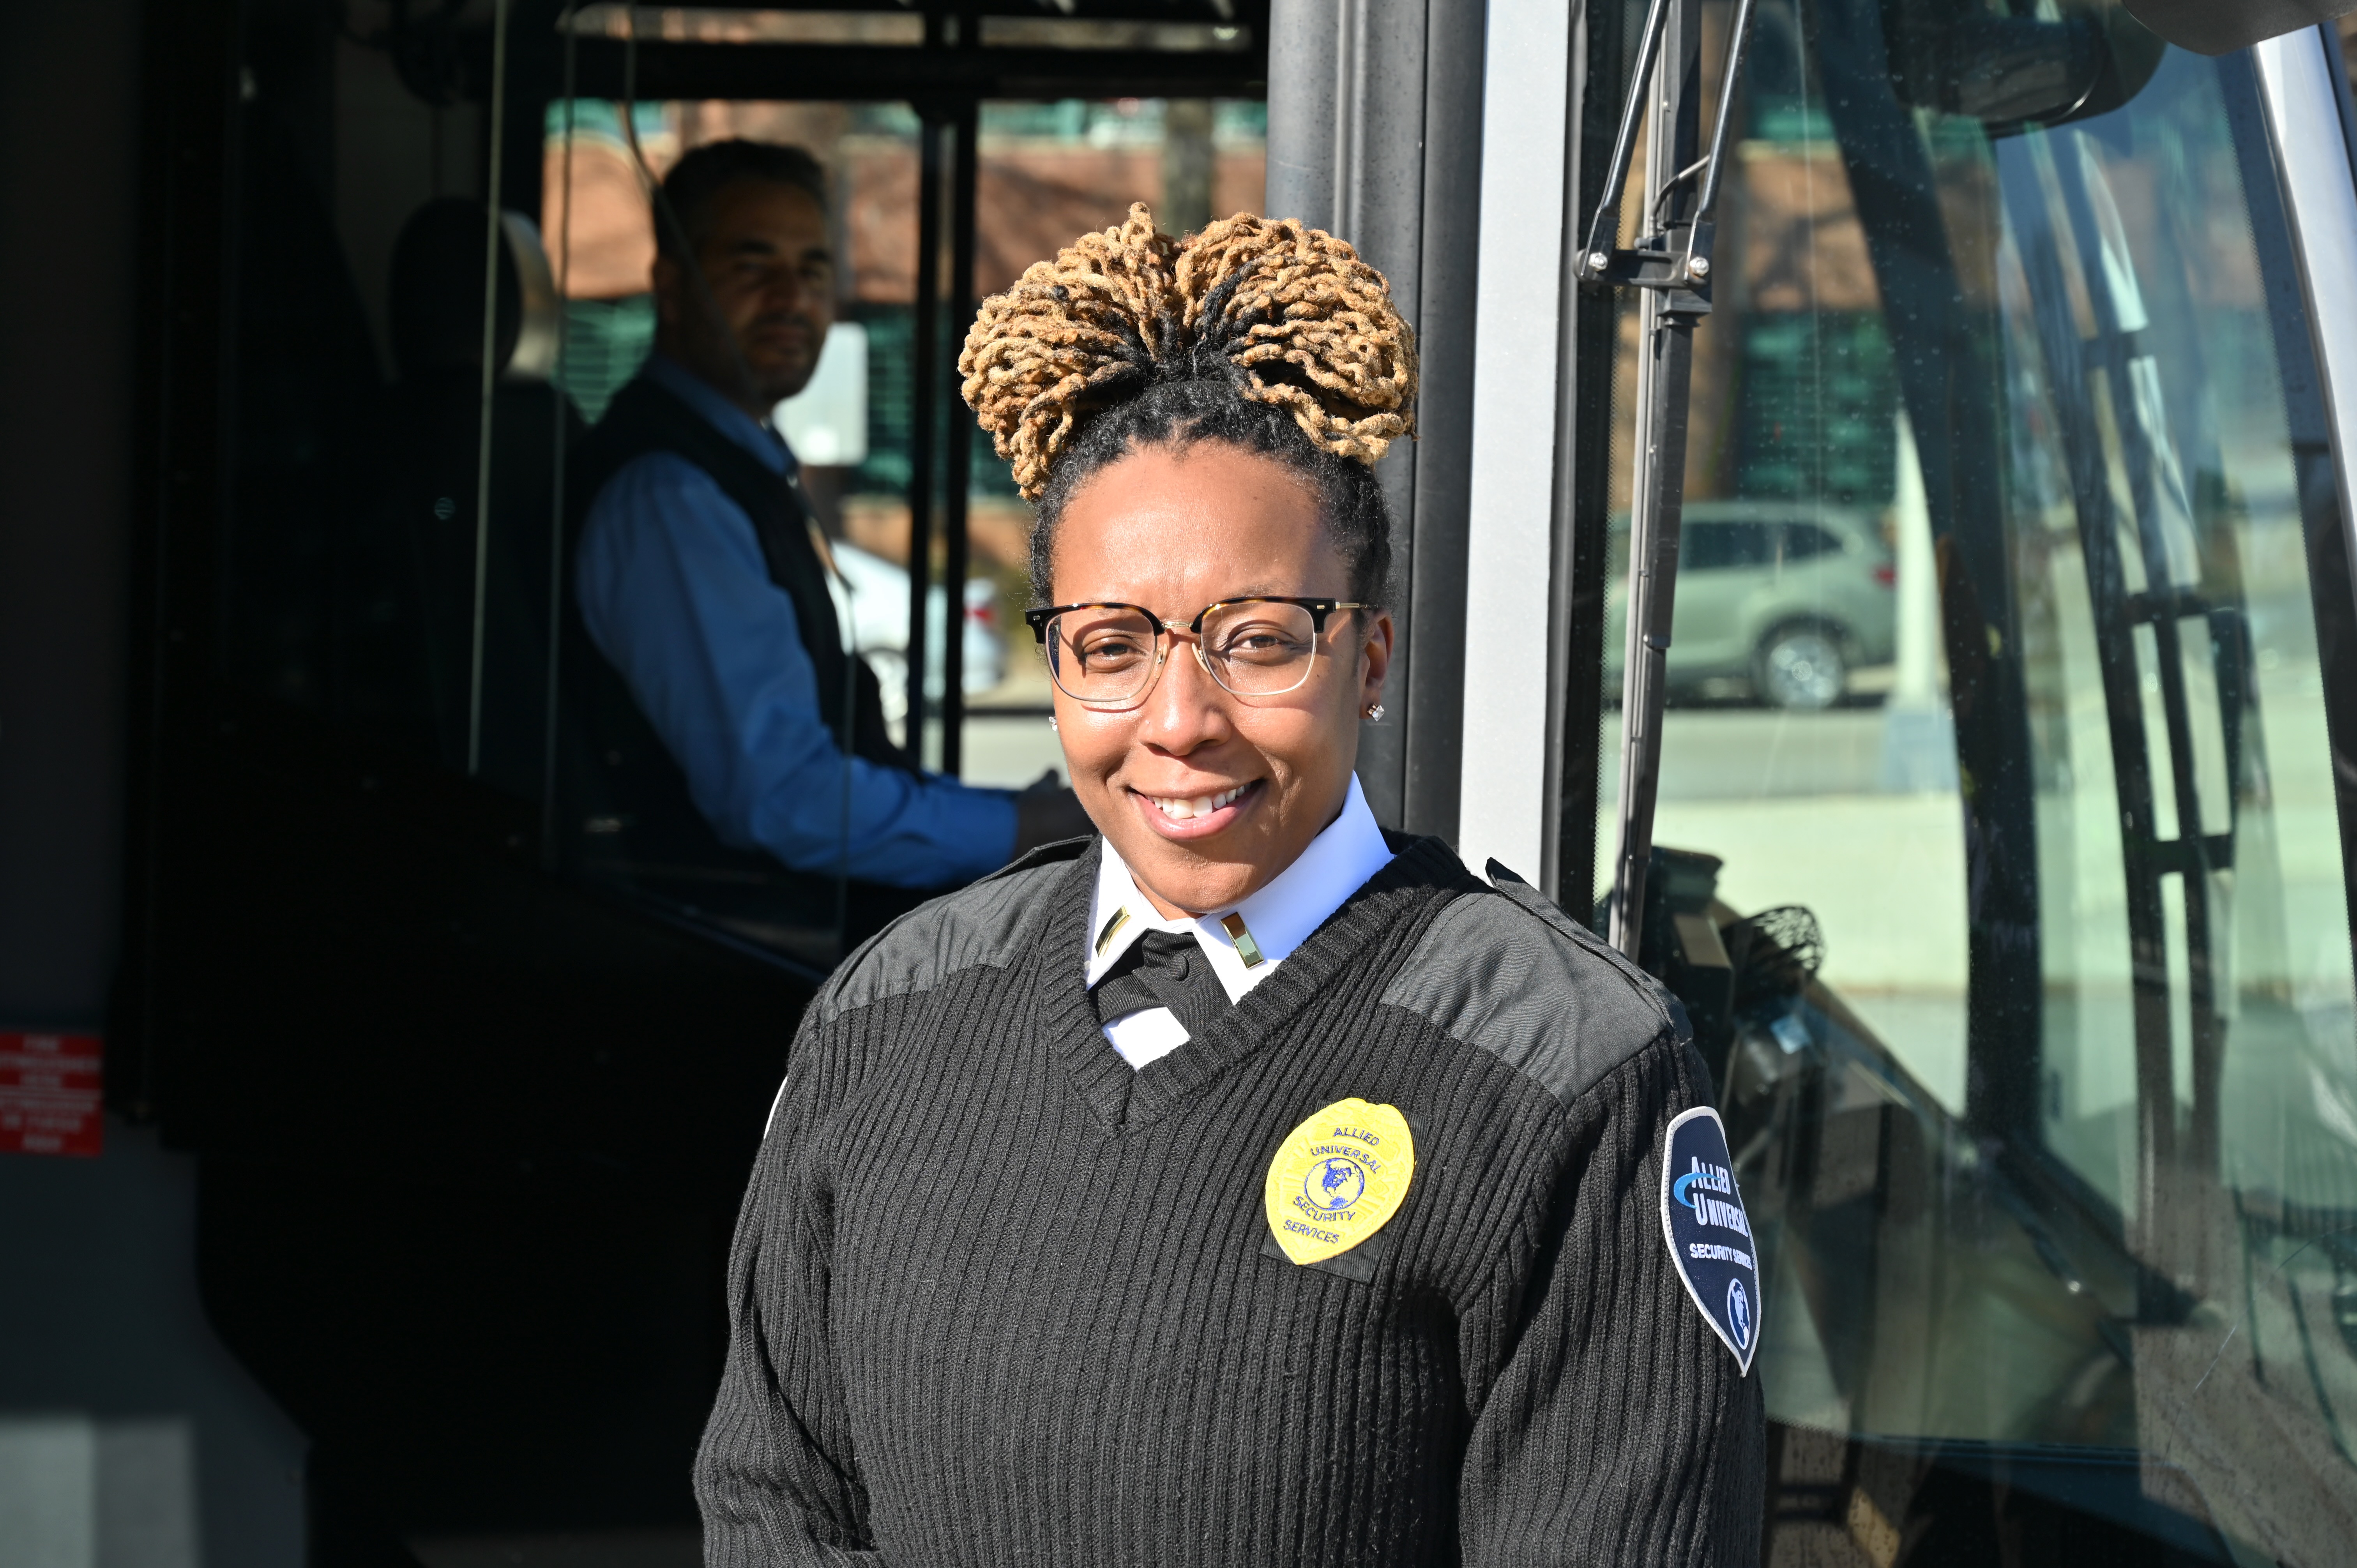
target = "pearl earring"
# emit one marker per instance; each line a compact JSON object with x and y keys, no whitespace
{"x":1051,"y":723}
{"x":1374,"y":711}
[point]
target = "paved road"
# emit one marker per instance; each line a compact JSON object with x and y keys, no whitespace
{"x":1719,"y":754}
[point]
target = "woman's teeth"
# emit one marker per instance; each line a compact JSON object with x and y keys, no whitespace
{"x":1186,"y":807}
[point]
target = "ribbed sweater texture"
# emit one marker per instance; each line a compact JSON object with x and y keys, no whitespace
{"x":999,"y":1298}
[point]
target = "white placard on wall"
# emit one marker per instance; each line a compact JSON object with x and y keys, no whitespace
{"x":826,"y":422}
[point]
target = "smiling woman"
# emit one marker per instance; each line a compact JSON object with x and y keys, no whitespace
{"x":1207,"y":797}
{"x":1197,"y":424}
{"x":1292,"y":1195}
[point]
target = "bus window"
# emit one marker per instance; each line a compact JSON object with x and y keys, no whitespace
{"x":1050,"y":171}
{"x":349,"y":566}
{"x":631,"y":812}
{"x":891,"y":506}
{"x":2038,"y":1046}
{"x":461,"y":984}
{"x":407,"y":538}
{"x":387,"y":551}
{"x":904,"y":513}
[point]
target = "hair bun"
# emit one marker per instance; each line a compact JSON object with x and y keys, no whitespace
{"x":1289,"y":313}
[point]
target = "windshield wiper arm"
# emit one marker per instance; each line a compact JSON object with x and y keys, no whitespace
{"x":1671,"y":261}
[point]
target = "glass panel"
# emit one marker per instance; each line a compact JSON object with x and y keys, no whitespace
{"x":355,"y":576}
{"x":407,"y":552}
{"x":2054,"y":1160}
{"x":1046,"y":172}
{"x":1050,"y":172}
{"x":631,"y":813}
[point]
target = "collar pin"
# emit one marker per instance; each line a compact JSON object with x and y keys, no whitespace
{"x":1247,"y":948}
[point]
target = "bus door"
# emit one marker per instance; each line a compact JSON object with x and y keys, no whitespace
{"x":473,"y":1033}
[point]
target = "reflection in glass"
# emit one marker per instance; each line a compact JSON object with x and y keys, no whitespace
{"x":387,"y":541}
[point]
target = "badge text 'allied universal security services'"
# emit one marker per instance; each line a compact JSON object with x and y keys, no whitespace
{"x":1339,"y":1178}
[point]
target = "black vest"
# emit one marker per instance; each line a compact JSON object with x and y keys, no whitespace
{"x":645,"y":418}
{"x":629,"y":811}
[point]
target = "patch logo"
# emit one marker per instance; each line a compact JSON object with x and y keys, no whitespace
{"x":1709,"y":1235}
{"x":1338,"y":1179}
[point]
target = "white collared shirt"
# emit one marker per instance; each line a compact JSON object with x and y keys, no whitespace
{"x":1279,"y":918}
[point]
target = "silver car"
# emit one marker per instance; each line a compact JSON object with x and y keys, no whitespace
{"x":1784,"y":598}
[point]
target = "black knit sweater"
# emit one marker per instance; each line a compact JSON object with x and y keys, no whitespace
{"x":999,"y":1298}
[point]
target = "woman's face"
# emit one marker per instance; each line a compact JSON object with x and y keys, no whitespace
{"x":1171,"y":532}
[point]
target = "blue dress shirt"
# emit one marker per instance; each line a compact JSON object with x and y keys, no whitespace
{"x":675,"y":592}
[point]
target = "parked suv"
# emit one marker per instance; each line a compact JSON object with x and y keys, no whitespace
{"x":1786,"y":597}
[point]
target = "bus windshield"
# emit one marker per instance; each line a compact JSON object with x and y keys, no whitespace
{"x":1997,"y":763}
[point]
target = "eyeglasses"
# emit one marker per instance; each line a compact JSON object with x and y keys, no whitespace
{"x":1106,"y":655}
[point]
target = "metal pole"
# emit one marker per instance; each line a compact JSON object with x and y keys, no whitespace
{"x":552,"y":689}
{"x":493,"y":240}
{"x":957,"y":455}
{"x":1664,"y":378}
{"x":924,"y":410}
{"x":1589,"y":324}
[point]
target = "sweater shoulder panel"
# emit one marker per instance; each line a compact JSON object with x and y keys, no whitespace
{"x":984,"y":925}
{"x":1501,"y":968}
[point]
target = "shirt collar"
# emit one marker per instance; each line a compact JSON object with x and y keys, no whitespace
{"x":755,"y":435}
{"x":1279,"y":917}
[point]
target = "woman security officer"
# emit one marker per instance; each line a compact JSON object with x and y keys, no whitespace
{"x":1243,"y":1185}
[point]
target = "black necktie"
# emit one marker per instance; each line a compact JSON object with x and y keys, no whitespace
{"x":1163,"y":968}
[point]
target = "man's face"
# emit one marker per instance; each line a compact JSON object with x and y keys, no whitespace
{"x":763,"y":250}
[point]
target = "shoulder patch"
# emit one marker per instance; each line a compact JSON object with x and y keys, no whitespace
{"x":1708,"y":1233}
{"x":979,"y":926}
{"x":1498,"y":973}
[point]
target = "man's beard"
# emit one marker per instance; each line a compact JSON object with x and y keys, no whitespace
{"x":786,"y":371}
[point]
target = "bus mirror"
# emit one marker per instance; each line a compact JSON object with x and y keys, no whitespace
{"x":1959,"y":57}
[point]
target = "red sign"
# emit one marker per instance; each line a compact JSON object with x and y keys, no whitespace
{"x":49,"y":1094}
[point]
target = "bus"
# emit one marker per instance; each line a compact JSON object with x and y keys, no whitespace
{"x":1966,"y":385}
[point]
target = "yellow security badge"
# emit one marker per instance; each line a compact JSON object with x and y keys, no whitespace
{"x":1339,"y":1178}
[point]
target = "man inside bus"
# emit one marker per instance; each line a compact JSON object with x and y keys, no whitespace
{"x":702,"y":580}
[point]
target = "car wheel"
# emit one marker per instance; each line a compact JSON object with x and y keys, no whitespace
{"x":1800,"y":667}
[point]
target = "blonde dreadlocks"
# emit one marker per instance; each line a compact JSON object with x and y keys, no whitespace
{"x":1256,"y":331}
